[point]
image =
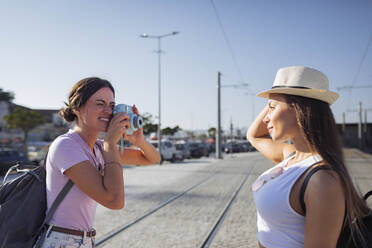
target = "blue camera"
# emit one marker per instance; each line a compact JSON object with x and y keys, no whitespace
{"x":135,"y":121}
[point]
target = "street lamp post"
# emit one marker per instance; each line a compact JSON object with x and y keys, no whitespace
{"x":159,"y":37}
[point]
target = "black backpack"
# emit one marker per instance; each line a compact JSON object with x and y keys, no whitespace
{"x":345,"y":240}
{"x":22,"y":209}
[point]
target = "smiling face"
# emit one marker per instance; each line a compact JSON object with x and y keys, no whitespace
{"x":281,"y":119}
{"x":96,"y":113}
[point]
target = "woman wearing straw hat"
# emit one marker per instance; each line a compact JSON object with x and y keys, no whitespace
{"x":292,"y":212}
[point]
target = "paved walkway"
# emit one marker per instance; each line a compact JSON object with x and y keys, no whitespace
{"x":187,"y":221}
{"x":210,"y":185}
{"x":360,"y":167}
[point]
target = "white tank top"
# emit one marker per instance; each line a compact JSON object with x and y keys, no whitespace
{"x":278,"y":224}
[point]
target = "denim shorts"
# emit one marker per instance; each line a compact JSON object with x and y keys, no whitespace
{"x":62,"y":240}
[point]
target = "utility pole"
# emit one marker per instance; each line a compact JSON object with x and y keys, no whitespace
{"x":343,"y":123}
{"x":365,"y":120}
{"x":360,"y":125}
{"x":218,"y":135}
{"x":231,"y":129}
{"x":362,"y":131}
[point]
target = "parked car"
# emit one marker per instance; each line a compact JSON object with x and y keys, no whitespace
{"x":232,"y":147}
{"x":247,"y":146}
{"x":212,"y":147}
{"x":195,"y":150}
{"x":8,"y":158}
{"x":40,"y":155}
{"x":179,"y":155}
{"x":184,"y":148}
{"x":204,"y":148}
{"x":168,"y":150}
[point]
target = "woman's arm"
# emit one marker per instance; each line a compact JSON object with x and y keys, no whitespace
{"x":325,"y":209}
{"x":146,"y":156}
{"x":259,"y":137}
{"x":108,"y":190}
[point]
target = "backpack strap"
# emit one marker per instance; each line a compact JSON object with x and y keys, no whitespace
{"x":368,"y":194}
{"x":57,"y":201}
{"x":54,"y":206}
{"x":306,"y":181}
{"x":61,"y":194}
{"x":59,"y":197}
{"x":51,"y":212}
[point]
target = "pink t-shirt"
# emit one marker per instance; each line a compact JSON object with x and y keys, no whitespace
{"x":77,"y":210}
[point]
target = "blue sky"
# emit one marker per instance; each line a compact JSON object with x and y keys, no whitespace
{"x":47,"y":46}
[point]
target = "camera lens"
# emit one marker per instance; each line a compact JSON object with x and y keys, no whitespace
{"x":138,"y":122}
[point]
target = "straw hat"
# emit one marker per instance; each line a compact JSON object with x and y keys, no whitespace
{"x":301,"y":81}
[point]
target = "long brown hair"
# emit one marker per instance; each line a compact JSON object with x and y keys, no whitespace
{"x":318,"y":124}
{"x":80,"y":93}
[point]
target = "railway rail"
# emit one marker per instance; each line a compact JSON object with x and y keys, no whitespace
{"x":213,"y":230}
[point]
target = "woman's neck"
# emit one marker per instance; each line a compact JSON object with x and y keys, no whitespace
{"x":303,"y":149}
{"x":88,"y":136}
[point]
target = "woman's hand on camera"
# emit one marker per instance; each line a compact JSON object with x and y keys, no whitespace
{"x":137,"y":137}
{"x":117,"y":127}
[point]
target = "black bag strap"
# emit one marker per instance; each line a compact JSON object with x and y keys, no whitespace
{"x":306,"y":181}
{"x":58,"y":199}
{"x":368,"y":194}
{"x":61,"y":194}
{"x":51,"y":212}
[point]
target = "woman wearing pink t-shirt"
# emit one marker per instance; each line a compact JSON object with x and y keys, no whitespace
{"x":93,"y":165}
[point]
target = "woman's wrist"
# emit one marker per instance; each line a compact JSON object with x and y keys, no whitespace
{"x":140,"y":144}
{"x":109,"y":146}
{"x":112,"y":163}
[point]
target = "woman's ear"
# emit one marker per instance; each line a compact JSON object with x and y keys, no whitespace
{"x":76,"y":112}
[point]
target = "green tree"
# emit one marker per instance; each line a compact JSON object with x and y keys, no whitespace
{"x":212,"y":132}
{"x":6,"y":96}
{"x":170,"y":131}
{"x":202,"y":136}
{"x":191,"y":134}
{"x":24,"y":119}
{"x":148,"y":126}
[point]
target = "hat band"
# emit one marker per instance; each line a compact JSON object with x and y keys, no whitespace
{"x":285,"y":86}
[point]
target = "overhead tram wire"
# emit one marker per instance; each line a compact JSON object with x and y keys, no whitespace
{"x":358,"y":70}
{"x":228,"y":43}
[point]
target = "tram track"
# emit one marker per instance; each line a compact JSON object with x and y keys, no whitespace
{"x":152,"y":211}
{"x":211,"y":232}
